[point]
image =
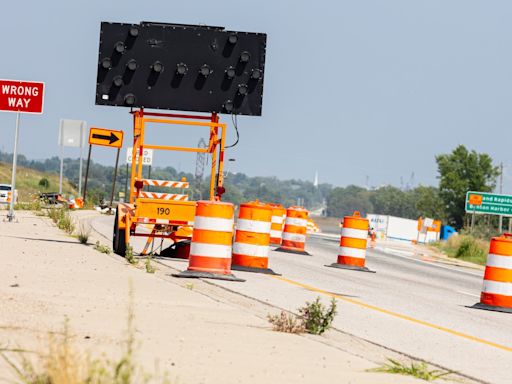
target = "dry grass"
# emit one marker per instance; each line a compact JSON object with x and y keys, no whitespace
{"x":286,"y":322}
{"x":313,"y":318}
{"x":419,"y":370}
{"x":63,"y":363}
{"x":465,"y":247}
{"x":27,"y":182}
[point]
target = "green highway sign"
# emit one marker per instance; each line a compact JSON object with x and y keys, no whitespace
{"x":488,"y":203}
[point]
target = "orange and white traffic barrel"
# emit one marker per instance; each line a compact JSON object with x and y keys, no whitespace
{"x":294,"y":233}
{"x":353,"y":241}
{"x":276,"y":229}
{"x":211,"y":245}
{"x":497,"y":288}
{"x":252,"y":238}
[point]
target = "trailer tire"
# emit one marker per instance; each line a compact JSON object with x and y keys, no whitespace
{"x":118,"y":240}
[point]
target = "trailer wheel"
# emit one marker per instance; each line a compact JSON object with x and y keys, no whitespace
{"x":118,"y":240}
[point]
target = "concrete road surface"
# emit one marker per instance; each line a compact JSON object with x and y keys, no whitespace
{"x":418,"y":308}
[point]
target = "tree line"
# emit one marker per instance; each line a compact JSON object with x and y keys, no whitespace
{"x":460,"y":171}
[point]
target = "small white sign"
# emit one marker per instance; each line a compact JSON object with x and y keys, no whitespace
{"x":71,"y":132}
{"x":147,"y":156}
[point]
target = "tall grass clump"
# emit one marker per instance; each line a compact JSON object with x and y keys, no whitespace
{"x":84,"y":232}
{"x":415,"y":369}
{"x":62,"y":218}
{"x":465,"y":247}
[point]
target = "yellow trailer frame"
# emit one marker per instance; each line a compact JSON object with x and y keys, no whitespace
{"x":172,"y":219}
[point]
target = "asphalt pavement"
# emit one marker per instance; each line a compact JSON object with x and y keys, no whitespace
{"x":420,"y":308}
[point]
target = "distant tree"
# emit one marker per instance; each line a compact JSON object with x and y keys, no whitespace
{"x":344,"y":201}
{"x":393,"y":201}
{"x":428,"y":203}
{"x":462,"y":171}
{"x":44,"y":183}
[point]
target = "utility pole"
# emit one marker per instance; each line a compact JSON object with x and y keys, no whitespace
{"x":500,"y":225}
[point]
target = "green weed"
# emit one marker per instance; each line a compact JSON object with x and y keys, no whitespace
{"x":129,"y":255}
{"x":84,"y":231}
{"x":102,"y":248}
{"x":418,"y":370}
{"x":316,"y":317}
{"x":313,"y":318}
{"x":149,"y":267}
{"x":189,"y":286}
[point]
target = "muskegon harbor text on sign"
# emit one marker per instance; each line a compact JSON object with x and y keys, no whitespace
{"x":21,"y":96}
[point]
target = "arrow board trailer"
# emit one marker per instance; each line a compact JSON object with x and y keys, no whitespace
{"x":178,"y":67}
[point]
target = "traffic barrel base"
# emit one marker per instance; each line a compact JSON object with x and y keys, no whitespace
{"x":296,"y":251}
{"x":188,"y":274}
{"x":266,"y":271}
{"x":351,"y":267}
{"x":491,"y":308}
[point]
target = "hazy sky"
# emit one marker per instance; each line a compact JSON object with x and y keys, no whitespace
{"x":354,"y":89}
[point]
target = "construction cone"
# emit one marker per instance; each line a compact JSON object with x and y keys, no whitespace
{"x":354,"y":236}
{"x":212,"y":236}
{"x":497,"y":288}
{"x":276,"y":229}
{"x":252,"y":238}
{"x":294,"y":234}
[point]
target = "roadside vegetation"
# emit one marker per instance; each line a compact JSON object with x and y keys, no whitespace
{"x":62,"y":218}
{"x":148,"y":265}
{"x":419,"y":370}
{"x":102,"y":248}
{"x":63,"y":363}
{"x":84,"y":231}
{"x":465,"y":247}
{"x":314,"y":318}
{"x":30,"y":182}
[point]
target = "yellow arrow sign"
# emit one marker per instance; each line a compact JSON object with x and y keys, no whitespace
{"x":106,"y":137}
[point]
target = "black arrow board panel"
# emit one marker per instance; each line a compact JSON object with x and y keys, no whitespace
{"x":181,"y":67}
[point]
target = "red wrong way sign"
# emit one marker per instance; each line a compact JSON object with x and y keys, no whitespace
{"x":21,"y":96}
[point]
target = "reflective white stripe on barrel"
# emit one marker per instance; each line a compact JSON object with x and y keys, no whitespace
{"x":499,"y":261}
{"x":497,"y":287}
{"x":297,"y":222}
{"x":213,"y":224}
{"x":210,"y":250}
{"x":253,"y":226}
{"x":354,"y":233}
{"x":275,"y":234}
{"x":352,"y":252}
{"x":250,"y":249}
{"x":294,"y":237}
{"x":277,"y":219}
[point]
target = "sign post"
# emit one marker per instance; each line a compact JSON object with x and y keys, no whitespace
{"x":107,"y":138}
{"x":21,"y":97}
